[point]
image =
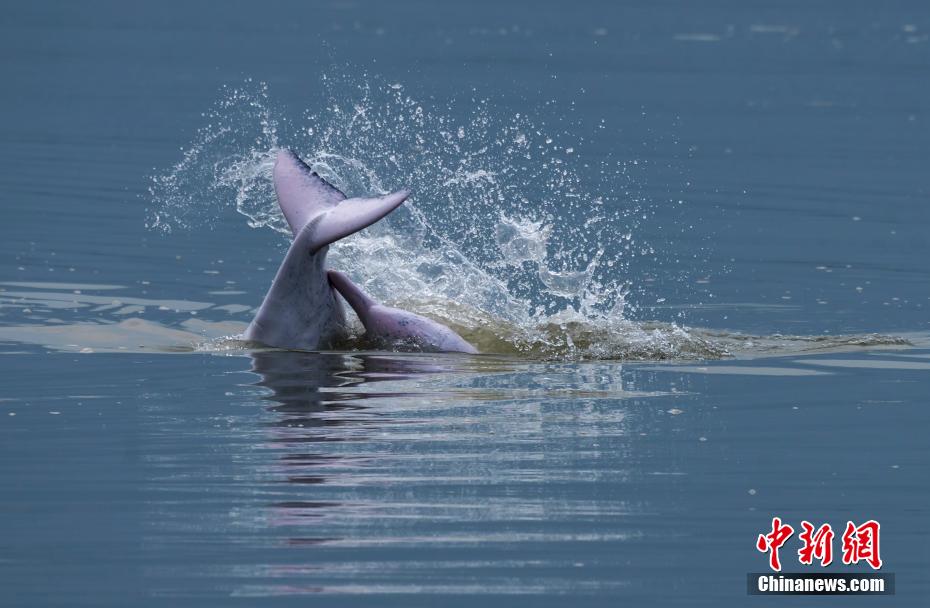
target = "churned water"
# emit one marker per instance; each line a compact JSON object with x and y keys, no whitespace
{"x":689,"y":240}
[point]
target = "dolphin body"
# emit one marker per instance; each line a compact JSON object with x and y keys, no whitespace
{"x":301,"y":310}
{"x":393,"y":327}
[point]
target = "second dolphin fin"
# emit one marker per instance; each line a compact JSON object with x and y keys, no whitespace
{"x":394,"y":327}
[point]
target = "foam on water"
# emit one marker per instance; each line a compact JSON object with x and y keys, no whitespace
{"x":78,"y":320}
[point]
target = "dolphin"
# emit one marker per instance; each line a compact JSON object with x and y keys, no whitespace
{"x":393,"y":327}
{"x":300,"y":310}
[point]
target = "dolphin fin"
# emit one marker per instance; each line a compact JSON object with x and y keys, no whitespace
{"x":350,"y":216}
{"x":306,"y":199}
{"x":397,"y":327}
{"x":302,"y":194}
{"x":360,"y":301}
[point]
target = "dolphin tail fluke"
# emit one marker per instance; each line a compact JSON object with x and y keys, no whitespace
{"x":360,"y":301}
{"x":302,"y":194}
{"x":350,"y":216}
{"x":310,"y":202}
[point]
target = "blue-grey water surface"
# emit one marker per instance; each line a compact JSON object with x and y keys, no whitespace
{"x":138,"y":470}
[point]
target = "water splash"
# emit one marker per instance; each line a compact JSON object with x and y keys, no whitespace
{"x":230,"y":162}
{"x":503,"y":239}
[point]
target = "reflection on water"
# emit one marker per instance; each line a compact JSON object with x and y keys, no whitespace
{"x":313,"y":395}
{"x":284,"y":474}
{"x":391,"y":474}
{"x":380,"y":451}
